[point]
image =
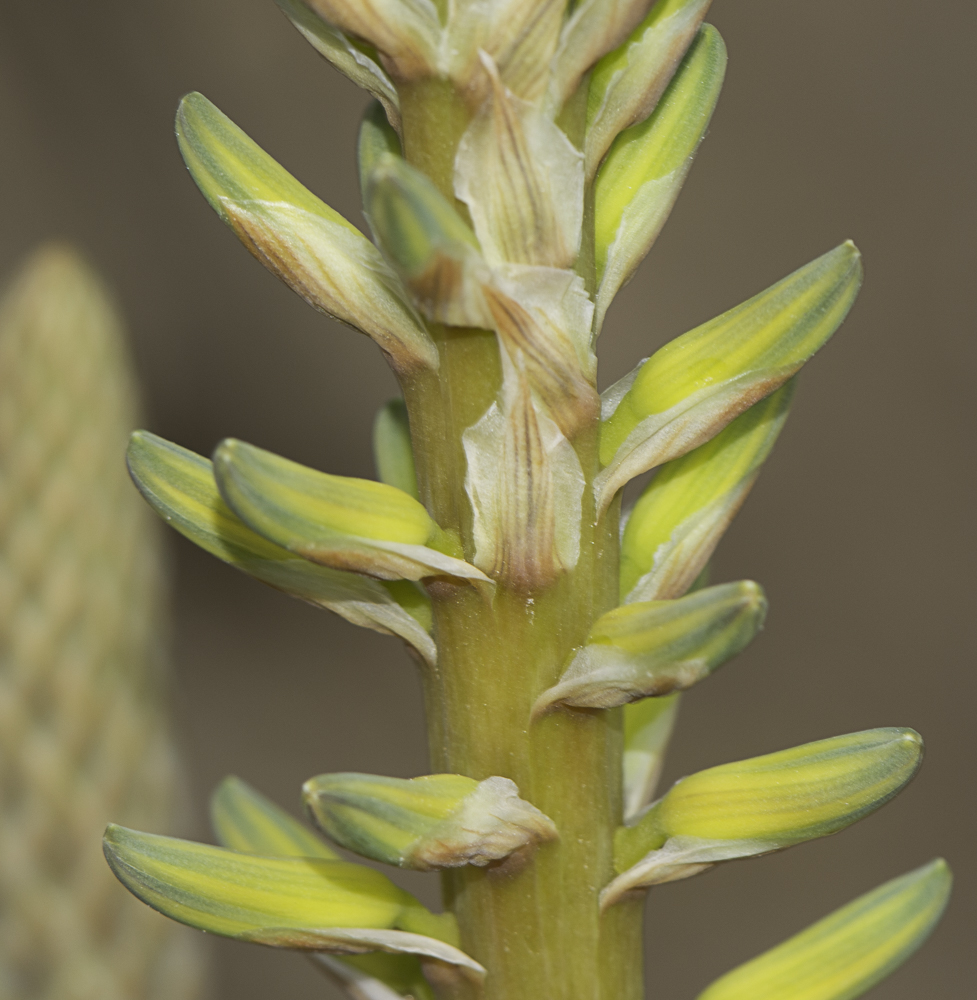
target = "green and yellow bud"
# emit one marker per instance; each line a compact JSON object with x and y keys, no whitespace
{"x":849,"y":951}
{"x":653,"y":648}
{"x":627,"y":83}
{"x":377,"y":137}
{"x":357,"y":61}
{"x":645,"y":168}
{"x":763,"y":804}
{"x":695,"y":385}
{"x":428,"y":243}
{"x":429,"y":823}
{"x":179,"y":485}
{"x":648,"y":726}
{"x":312,"y":248}
{"x":679,"y":519}
{"x":350,"y":524}
{"x":392,"y":452}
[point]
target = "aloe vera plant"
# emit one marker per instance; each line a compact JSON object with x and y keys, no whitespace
{"x":518,"y":163}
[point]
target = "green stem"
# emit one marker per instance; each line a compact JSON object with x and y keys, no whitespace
{"x":533,"y":921}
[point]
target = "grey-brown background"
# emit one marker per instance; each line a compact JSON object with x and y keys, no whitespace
{"x":838,"y":120}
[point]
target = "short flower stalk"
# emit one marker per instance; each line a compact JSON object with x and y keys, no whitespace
{"x":519,"y":160}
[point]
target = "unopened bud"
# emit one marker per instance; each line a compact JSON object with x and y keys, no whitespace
{"x":350,"y":524}
{"x":657,"y":647}
{"x":648,"y":726}
{"x":437,"y":821}
{"x":763,"y":804}
{"x":679,"y":519}
{"x":627,"y":83}
{"x":376,"y":138}
{"x":696,"y":384}
{"x":646,"y":166}
{"x":392,"y":452}
{"x":312,"y":248}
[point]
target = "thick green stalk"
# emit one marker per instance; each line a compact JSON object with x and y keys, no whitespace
{"x":533,"y":921}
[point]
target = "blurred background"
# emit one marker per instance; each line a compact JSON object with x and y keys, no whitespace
{"x":837,"y":120}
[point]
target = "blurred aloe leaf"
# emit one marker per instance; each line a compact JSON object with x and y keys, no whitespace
{"x":648,"y":726}
{"x":646,"y":166}
{"x":179,"y":485}
{"x":849,"y":951}
{"x":312,"y":248}
{"x":681,"y":516}
{"x":627,"y":83}
{"x":353,"y":58}
{"x":429,"y":823}
{"x":392,"y":451}
{"x":763,"y":804}
{"x":653,"y":648}
{"x":695,"y":385}
{"x":244,"y":820}
{"x":426,"y":240}
{"x":338,"y":521}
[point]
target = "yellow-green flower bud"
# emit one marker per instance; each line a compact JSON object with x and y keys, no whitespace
{"x":350,"y":524}
{"x":695,"y":385}
{"x":312,"y":248}
{"x":437,"y":821}
{"x":678,"y":520}
{"x":427,"y":241}
{"x":763,"y":804}
{"x":849,"y":951}
{"x":357,"y":62}
{"x":646,"y":166}
{"x":627,"y":83}
{"x":392,"y":451}
{"x":179,"y":485}
{"x":656,"y":647}
{"x":376,"y":138}
{"x":648,"y":726}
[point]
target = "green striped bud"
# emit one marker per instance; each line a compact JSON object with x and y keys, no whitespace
{"x":429,"y":823}
{"x":849,"y":951}
{"x":427,"y":241}
{"x":312,"y":248}
{"x":695,"y":385}
{"x":645,"y":168}
{"x":679,"y":519}
{"x":655,"y":647}
{"x":763,"y":804}
{"x":350,"y":524}
{"x":179,"y":485}
{"x":648,"y":726}
{"x":627,"y":83}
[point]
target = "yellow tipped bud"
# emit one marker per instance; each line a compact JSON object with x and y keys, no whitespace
{"x":312,"y":248}
{"x":849,"y":951}
{"x":656,"y":647}
{"x":179,"y":485}
{"x":627,"y":83}
{"x":695,"y":385}
{"x":351,"y":524}
{"x":646,"y":166}
{"x":434,"y":822}
{"x":763,"y":804}
{"x":679,"y":519}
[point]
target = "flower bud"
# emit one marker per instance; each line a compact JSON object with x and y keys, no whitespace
{"x":696,"y":384}
{"x":179,"y":485}
{"x":425,"y":239}
{"x":657,"y":647}
{"x":648,"y":726}
{"x":355,"y":62}
{"x":351,"y":524}
{"x":434,"y":822}
{"x":681,"y":516}
{"x":375,"y":139}
{"x":312,"y":248}
{"x":646,"y":166}
{"x":392,"y":451}
{"x":626,"y":84}
{"x":849,"y":951}
{"x":763,"y":804}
